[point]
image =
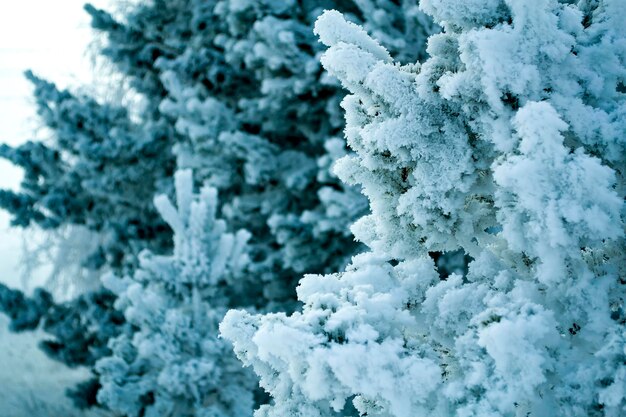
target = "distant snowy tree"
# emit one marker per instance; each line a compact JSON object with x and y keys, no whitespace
{"x":175,"y":364}
{"x":508,"y":143}
{"x":99,"y":169}
{"x":258,"y":118}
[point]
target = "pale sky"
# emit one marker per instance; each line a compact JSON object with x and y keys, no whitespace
{"x":51,"y":38}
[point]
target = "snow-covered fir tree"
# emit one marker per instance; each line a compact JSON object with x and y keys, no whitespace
{"x":175,"y":364}
{"x":507,"y":142}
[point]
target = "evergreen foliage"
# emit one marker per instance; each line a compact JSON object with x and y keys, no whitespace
{"x":507,"y":142}
{"x":24,"y":312}
{"x":77,"y":331}
{"x":483,"y":173}
{"x":99,"y":170}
